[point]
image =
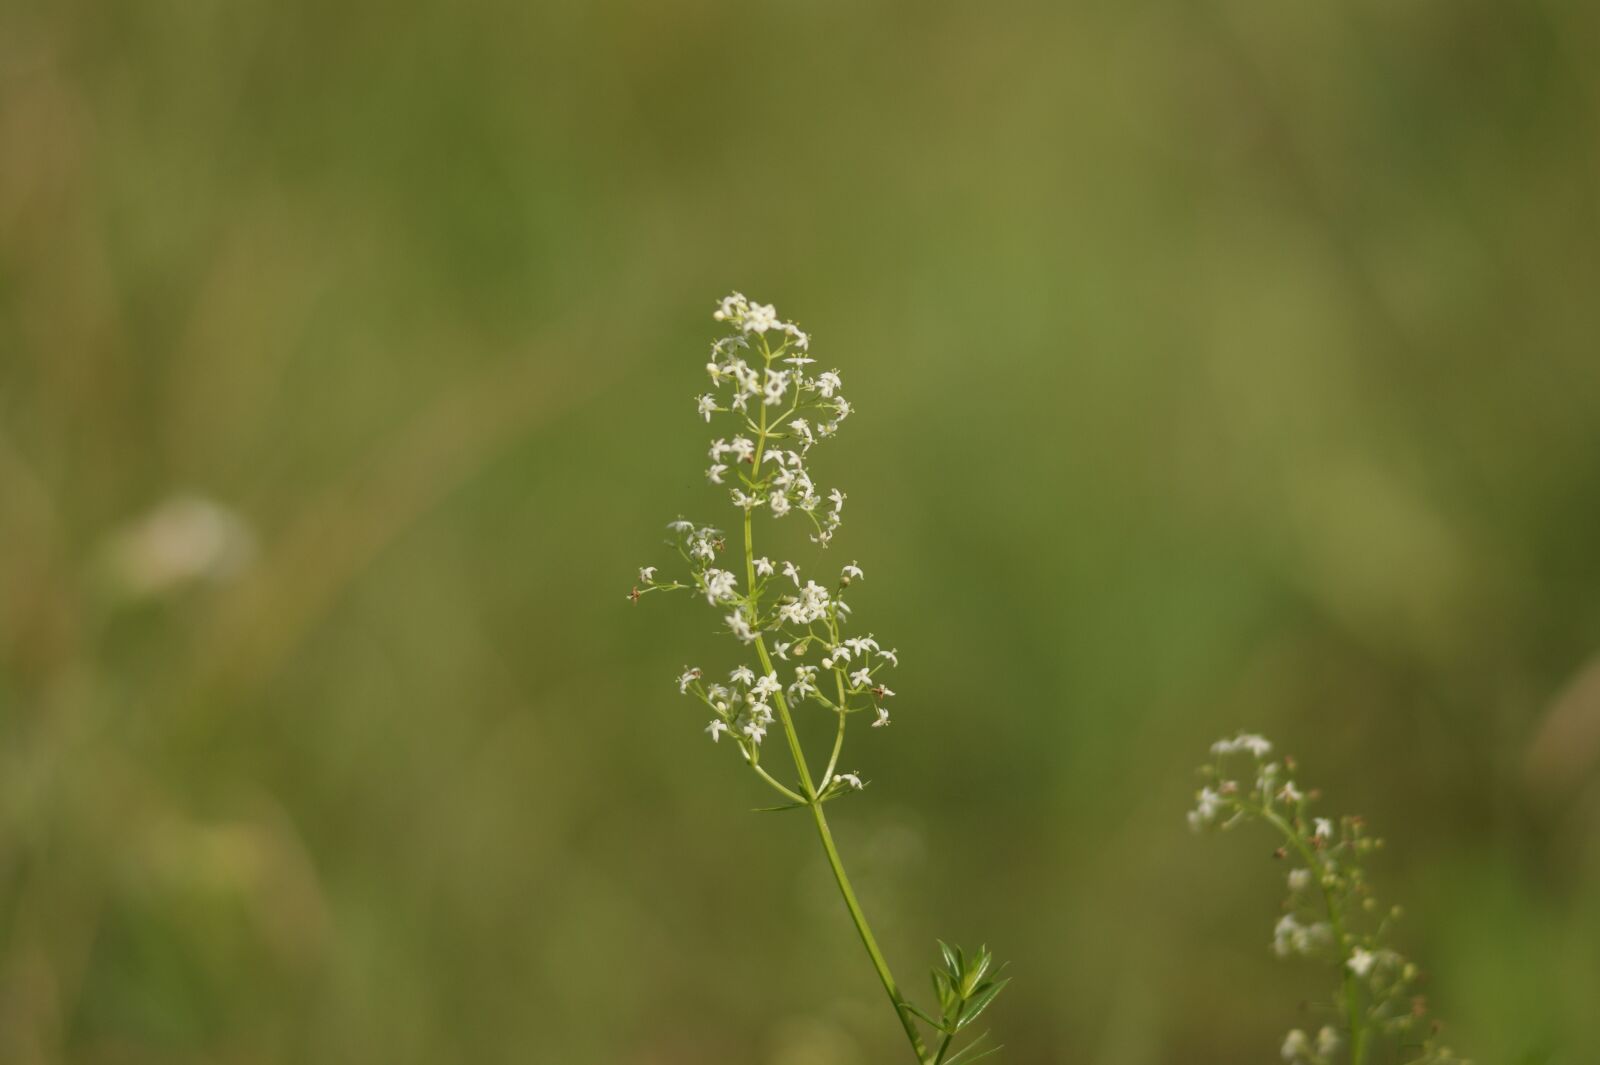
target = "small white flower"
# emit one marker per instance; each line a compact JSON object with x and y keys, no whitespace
{"x":1327,"y":1041}
{"x":779,"y":504}
{"x":1292,"y":937}
{"x":759,"y":318}
{"x":717,"y":728}
{"x":1361,"y":961}
{"x":849,"y":778}
{"x":689,"y":675}
{"x":1324,"y":828}
{"x":883,"y":718}
{"x":715,"y":472}
{"x":755,"y":730}
{"x":781,"y":649}
{"x":777,"y":382}
{"x":717,"y":448}
{"x":1290,"y":793}
{"x":861,"y":677}
{"x":1283,"y":935}
{"x":1207,"y":804}
{"x":1296,"y":1046}
{"x":740,"y":627}
{"x":883,"y":692}
{"x":852,"y":572}
{"x":767,"y":685}
{"x":828,"y":383}
{"x":746,"y":502}
{"x":647,"y":574}
{"x":803,"y":427}
{"x":892,"y":655}
{"x":1244,"y":741}
{"x":706,"y":406}
{"x":1299,"y":879}
{"x":805,"y":682}
{"x":744,"y":448}
{"x":720,"y":585}
{"x":837,"y":498}
{"x":680,"y":526}
{"x":742,"y":675}
{"x":801,"y":341}
{"x":790,"y":571}
{"x":763,"y":567}
{"x":810,"y":606}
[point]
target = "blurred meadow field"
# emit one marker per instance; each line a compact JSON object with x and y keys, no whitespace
{"x":1216,"y":365}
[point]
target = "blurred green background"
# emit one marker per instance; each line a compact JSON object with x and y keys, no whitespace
{"x":1217,"y":365}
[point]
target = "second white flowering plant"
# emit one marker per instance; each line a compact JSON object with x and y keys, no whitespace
{"x":798,"y":653}
{"x":1330,"y":916}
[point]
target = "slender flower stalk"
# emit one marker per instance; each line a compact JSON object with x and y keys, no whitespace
{"x":776,"y":410}
{"x":1330,"y":915}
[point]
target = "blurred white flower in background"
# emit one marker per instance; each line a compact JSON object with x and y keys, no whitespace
{"x":183,"y":540}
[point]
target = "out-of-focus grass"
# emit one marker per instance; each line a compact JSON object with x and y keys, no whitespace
{"x":1216,"y":365}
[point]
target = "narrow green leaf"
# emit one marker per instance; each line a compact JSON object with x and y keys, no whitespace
{"x":946,"y":993}
{"x":980,"y":965}
{"x":979,"y":1003}
{"x":950,"y":961}
{"x":938,"y":1025}
{"x":970,"y":1053}
{"x":966,"y":1057}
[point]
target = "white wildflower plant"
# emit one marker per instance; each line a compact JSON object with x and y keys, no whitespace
{"x":790,"y":622}
{"x":1329,"y":916}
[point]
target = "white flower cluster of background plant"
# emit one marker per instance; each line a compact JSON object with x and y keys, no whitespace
{"x":1329,"y":915}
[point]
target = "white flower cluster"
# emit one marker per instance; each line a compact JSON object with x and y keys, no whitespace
{"x":793,"y":410}
{"x":1244,"y":741}
{"x":1298,"y":1049}
{"x":777,"y":410}
{"x":1292,"y":937}
{"x":1328,"y":904}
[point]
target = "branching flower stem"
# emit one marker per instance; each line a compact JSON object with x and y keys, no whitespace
{"x":763,"y":464}
{"x":810,"y":790}
{"x":1351,"y":986}
{"x":1337,"y":923}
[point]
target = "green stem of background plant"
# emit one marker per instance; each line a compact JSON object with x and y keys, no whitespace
{"x":829,"y":848}
{"x":1351,"y":987}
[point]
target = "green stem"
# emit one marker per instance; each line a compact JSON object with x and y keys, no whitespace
{"x":787,"y":793}
{"x":1351,"y":986}
{"x":867,"y":939}
{"x":829,"y":848}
